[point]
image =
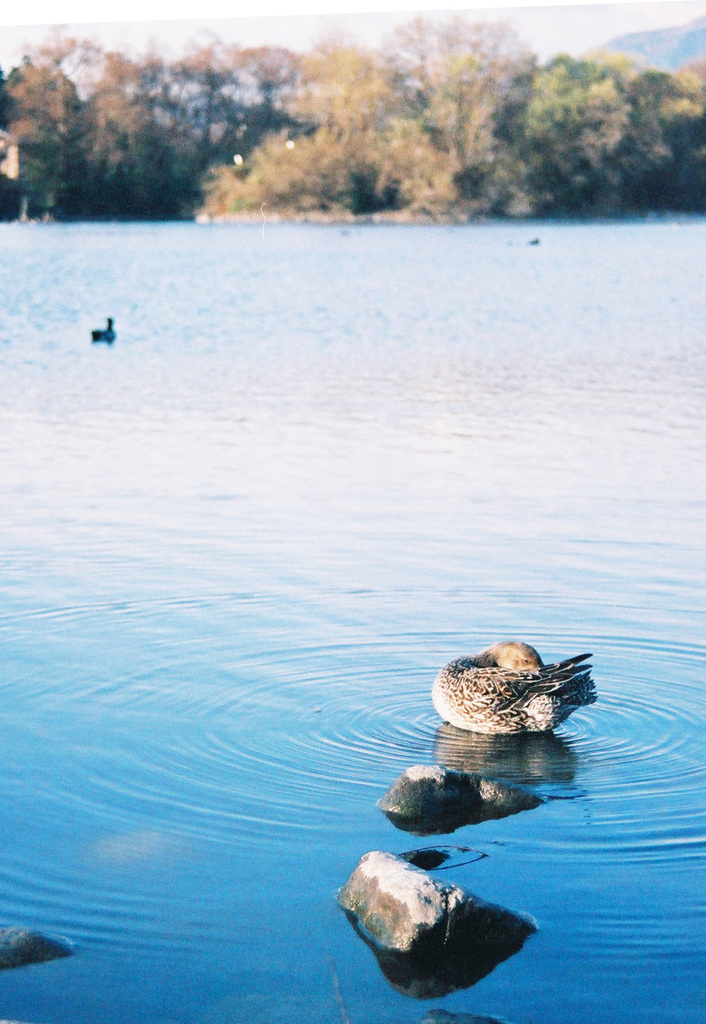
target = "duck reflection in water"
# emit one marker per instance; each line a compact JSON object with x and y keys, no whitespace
{"x":526,"y":758}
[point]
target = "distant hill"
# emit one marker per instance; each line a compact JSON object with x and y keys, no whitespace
{"x":664,"y":48}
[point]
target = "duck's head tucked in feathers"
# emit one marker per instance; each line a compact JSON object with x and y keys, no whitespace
{"x":510,"y":654}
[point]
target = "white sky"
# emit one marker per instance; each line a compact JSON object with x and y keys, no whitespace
{"x":45,"y":12}
{"x":132,"y":24}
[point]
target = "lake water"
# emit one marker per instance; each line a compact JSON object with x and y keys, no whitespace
{"x":237,"y":546}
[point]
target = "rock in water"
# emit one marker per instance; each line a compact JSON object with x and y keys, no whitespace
{"x":430,"y":800}
{"x":397,"y":904}
{"x":19,"y":946}
{"x":429,"y":938}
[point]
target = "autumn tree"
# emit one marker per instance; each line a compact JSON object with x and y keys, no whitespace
{"x":136,"y":165}
{"x":268,"y":77}
{"x":465,"y":84}
{"x":346,"y":94}
{"x":4,"y":101}
{"x":47,"y":116}
{"x":331,"y":156}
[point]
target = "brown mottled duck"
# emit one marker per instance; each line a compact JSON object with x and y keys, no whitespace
{"x":507,"y":688}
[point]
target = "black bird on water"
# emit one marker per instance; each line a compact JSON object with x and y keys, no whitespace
{"x":107,"y":334}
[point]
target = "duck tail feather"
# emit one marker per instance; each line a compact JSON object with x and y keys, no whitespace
{"x":576,"y":660}
{"x":578,"y":689}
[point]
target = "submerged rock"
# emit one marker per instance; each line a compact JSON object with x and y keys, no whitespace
{"x":425,"y":859}
{"x":444,"y":1017}
{"x":19,"y":946}
{"x":430,"y":800}
{"x":431,"y":857}
{"x":429,"y":938}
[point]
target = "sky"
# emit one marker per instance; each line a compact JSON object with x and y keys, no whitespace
{"x":131,"y":25}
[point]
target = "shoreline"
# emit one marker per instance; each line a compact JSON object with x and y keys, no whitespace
{"x":394,"y":218}
{"x":341,"y":217}
{"x":344,"y":219}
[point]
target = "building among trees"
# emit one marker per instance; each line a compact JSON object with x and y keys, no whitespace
{"x":10,"y":198}
{"x":9,"y":156}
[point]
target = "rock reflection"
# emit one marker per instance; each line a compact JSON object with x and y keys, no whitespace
{"x":528,"y":758}
{"x":462,"y":963}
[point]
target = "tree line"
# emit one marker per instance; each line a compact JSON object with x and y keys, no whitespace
{"x":104,"y":135}
{"x":449,"y":120}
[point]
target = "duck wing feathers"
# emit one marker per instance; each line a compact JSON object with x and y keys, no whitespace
{"x":503,"y":688}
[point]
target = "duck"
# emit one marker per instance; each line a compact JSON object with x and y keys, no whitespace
{"x":106,"y":334}
{"x":507,"y":688}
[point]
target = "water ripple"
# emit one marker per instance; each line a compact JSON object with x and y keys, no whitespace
{"x":306,"y":739}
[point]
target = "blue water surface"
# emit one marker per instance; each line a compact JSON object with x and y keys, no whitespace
{"x":236,"y":547}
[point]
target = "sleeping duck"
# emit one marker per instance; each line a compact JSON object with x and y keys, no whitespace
{"x":507,"y":688}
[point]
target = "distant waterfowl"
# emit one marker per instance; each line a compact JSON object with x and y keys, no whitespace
{"x":507,"y":688}
{"x":107,"y":334}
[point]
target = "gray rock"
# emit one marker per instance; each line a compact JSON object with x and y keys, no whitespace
{"x":398,"y":904}
{"x":429,"y":938}
{"x":432,"y":800}
{"x":19,"y":946}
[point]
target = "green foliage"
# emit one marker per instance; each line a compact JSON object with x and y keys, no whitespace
{"x":446,"y":121}
{"x":603,"y":137}
{"x":664,"y":150}
{"x":575,"y":123}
